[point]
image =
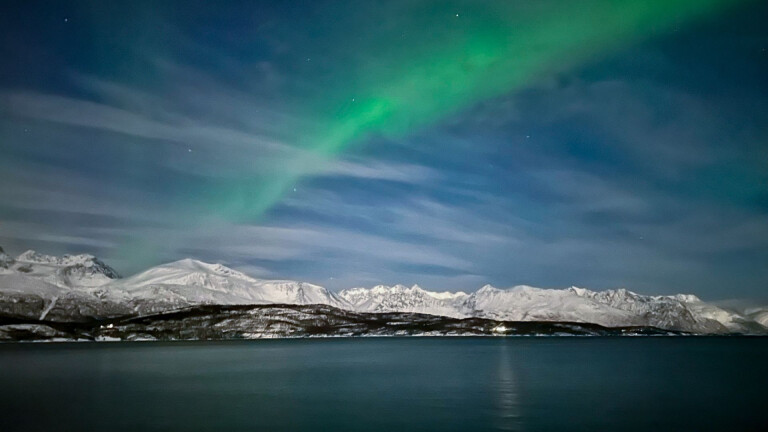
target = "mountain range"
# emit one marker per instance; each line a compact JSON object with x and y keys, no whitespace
{"x":43,"y":290}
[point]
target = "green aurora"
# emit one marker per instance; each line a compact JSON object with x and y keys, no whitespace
{"x":481,"y":51}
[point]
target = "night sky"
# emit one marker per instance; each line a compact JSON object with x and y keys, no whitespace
{"x":450,"y":144}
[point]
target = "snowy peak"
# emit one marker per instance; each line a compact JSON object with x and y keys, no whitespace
{"x":187,"y":272}
{"x":686,"y":298}
{"x":200,"y":266}
{"x":33,"y":257}
{"x":82,"y":260}
{"x":66,"y":271}
{"x":487,"y":289}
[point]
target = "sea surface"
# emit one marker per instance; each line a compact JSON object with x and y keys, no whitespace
{"x":389,"y":384}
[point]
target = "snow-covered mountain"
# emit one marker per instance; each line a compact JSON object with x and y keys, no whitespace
{"x":190,"y":282}
{"x":81,"y":288}
{"x":400,"y":298}
{"x":66,"y":271}
{"x":43,"y":286}
{"x":760,"y":316}
{"x":612,"y":308}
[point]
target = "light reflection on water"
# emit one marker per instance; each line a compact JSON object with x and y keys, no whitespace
{"x":509,"y":418}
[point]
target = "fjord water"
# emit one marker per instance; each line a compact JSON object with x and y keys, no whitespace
{"x":389,"y":384}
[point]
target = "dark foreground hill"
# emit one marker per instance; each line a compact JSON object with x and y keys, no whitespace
{"x":286,"y":321}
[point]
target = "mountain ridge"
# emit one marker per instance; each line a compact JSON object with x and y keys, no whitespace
{"x":79,"y":288}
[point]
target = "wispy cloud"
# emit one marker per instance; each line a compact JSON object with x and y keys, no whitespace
{"x":379,"y":170}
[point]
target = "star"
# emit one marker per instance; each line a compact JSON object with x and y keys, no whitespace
{"x":66,"y":19}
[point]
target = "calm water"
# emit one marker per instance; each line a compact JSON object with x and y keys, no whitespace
{"x":448,"y":384}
